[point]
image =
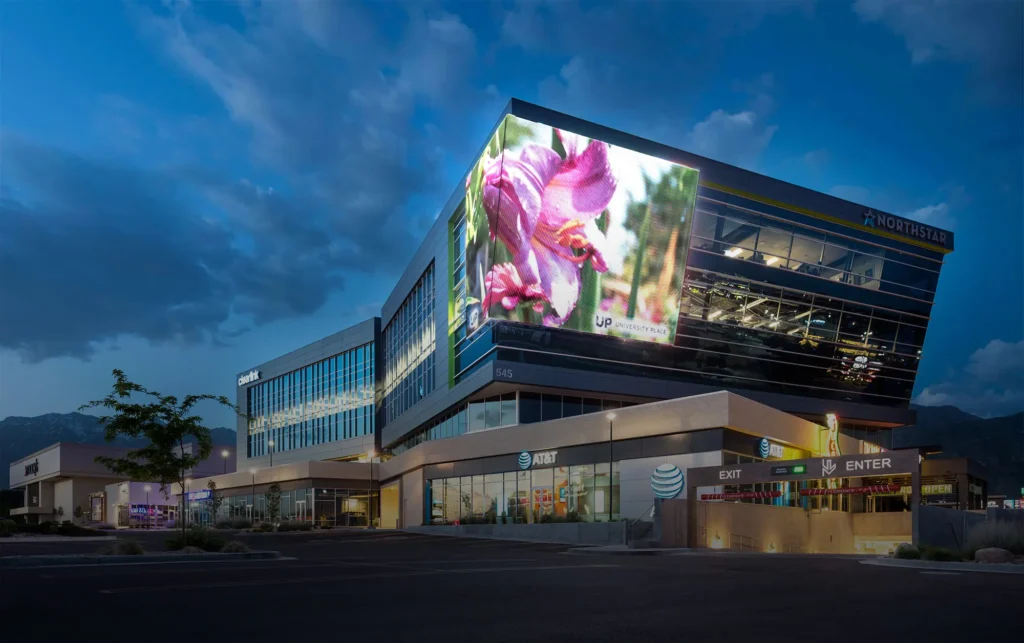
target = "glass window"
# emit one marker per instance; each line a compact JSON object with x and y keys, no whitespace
{"x":835,"y":262}
{"x":591,"y":405}
{"x":508,"y":409}
{"x":476,"y":416}
{"x":805,"y":255}
{"x":773,"y":247}
{"x":571,"y":406}
{"x":529,"y":408}
{"x":726,"y":306}
{"x":865,"y":270}
{"x":551,"y":407}
{"x":492,"y":414}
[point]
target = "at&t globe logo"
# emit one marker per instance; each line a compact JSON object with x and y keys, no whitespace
{"x":525,"y":460}
{"x":667,"y":481}
{"x":765,"y":448}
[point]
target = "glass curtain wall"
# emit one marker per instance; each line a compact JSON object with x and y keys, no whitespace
{"x":330,"y":400}
{"x":409,"y":344}
{"x":578,"y":493}
{"x":323,"y":507}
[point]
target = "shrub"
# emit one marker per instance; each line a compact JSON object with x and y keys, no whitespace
{"x":294,"y":525}
{"x":196,"y":537}
{"x":239,"y":522}
{"x":264,"y":527}
{"x":76,"y":531}
{"x":122,"y":548}
{"x":191,"y":550}
{"x":235,"y":547}
{"x":1004,"y":535}
{"x":223,"y":523}
{"x":103,"y":525}
{"x":906,"y":551}
{"x":939,"y":553}
{"x":47,"y":527}
{"x":7,"y":528}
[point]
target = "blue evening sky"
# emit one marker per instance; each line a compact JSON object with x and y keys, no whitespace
{"x":189,"y":189}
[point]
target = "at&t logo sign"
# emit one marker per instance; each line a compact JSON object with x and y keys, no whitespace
{"x":667,"y":481}
{"x":768,"y":449}
{"x":527,"y":460}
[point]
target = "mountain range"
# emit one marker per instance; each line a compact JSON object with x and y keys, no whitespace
{"x":20,"y":436}
{"x":997,"y":443}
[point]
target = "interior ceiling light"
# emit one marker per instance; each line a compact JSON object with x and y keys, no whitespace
{"x":732,"y":252}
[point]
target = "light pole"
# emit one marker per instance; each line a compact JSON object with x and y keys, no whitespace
{"x":270,"y":443}
{"x":149,"y":518}
{"x":224,"y":454}
{"x":369,"y":492}
{"x":611,"y":437}
{"x":184,"y":503}
{"x":252,"y":511}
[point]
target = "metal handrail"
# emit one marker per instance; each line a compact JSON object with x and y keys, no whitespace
{"x":629,"y":525}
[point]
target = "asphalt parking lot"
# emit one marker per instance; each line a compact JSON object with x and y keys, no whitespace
{"x":393,"y":586}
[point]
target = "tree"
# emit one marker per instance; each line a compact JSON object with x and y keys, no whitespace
{"x":78,"y":512}
{"x":273,"y":497}
{"x":215,"y":501}
{"x":166,"y":422}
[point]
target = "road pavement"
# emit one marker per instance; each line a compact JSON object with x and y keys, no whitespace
{"x":393,"y":587}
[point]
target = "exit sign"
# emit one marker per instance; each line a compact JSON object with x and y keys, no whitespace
{"x":789,"y":470}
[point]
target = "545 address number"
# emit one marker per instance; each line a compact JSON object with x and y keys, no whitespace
{"x":503,"y":373}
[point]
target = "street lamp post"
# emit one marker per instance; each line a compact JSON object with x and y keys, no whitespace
{"x":611,"y":437}
{"x":149,"y":518}
{"x":252,"y":511}
{"x":184,"y":503}
{"x":224,"y":454}
{"x":369,"y":492}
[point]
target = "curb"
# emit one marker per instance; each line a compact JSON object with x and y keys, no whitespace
{"x":989,"y":568}
{"x":56,"y":561}
{"x":643,"y":551}
{"x":55,"y":539}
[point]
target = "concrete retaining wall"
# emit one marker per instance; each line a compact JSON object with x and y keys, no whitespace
{"x":572,"y":533}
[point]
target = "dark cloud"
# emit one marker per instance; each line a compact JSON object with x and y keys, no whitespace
{"x":341,"y":117}
{"x":93,"y":250}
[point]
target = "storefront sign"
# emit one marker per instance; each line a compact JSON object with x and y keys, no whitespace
{"x":199,"y":495}
{"x":527,"y":459}
{"x":859,"y":466}
{"x":32,"y":469}
{"x":789,"y":470}
{"x":768,"y":449}
{"x":249,"y":378}
{"x":874,"y":219}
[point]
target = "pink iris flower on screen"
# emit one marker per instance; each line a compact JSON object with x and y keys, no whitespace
{"x":503,"y":284}
{"x":543,"y":208}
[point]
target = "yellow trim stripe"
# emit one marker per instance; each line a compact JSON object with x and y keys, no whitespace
{"x":825,"y":217}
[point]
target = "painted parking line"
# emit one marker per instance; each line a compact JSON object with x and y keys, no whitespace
{"x":347,"y":577}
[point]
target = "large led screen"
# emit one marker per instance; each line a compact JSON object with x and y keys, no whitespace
{"x":571,"y":232}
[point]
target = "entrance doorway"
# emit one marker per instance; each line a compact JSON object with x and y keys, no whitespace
{"x":300,"y":510}
{"x":389,"y":515}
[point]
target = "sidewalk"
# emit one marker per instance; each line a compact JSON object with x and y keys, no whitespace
{"x":623,"y":550}
{"x":19,"y":539}
{"x":934,"y":565}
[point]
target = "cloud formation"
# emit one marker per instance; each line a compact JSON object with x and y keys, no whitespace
{"x":991,"y":384}
{"x":985,"y":34}
{"x":333,"y":114}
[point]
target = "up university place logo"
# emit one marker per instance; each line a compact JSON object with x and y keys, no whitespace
{"x":525,"y":460}
{"x":667,"y":481}
{"x":827,"y":468}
